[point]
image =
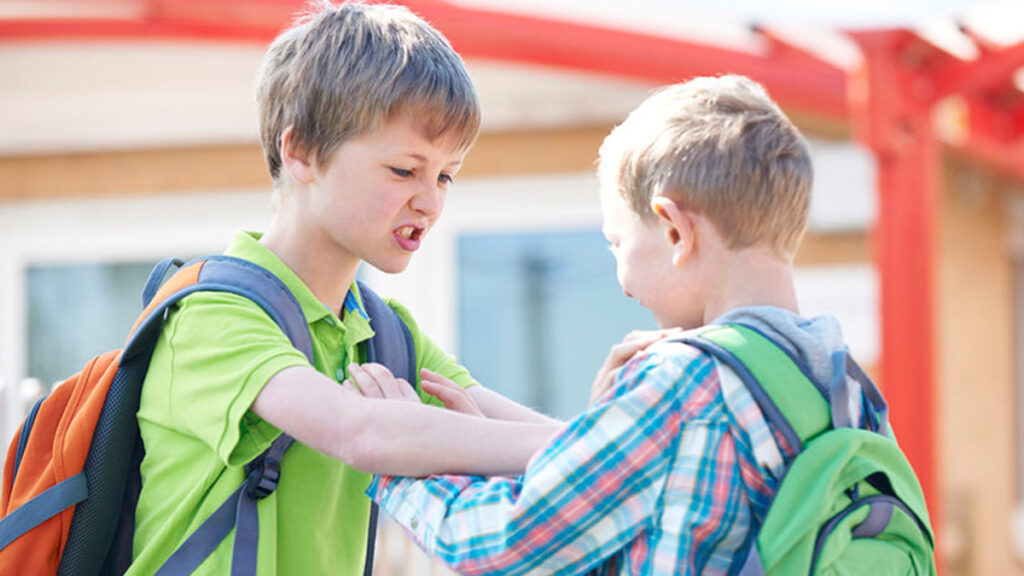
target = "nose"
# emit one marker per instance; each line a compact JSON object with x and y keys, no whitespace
{"x":622,"y":284}
{"x":429,"y":201}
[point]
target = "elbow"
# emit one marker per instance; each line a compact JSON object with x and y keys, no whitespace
{"x":352,"y":442}
{"x":361,"y":454}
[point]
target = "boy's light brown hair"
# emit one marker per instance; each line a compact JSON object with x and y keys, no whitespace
{"x":342,"y":70}
{"x":721,"y":147}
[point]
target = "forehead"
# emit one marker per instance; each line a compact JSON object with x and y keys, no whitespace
{"x":405,"y":134}
{"x":448,"y":125}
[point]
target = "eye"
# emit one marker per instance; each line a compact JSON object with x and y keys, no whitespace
{"x":445,"y":179}
{"x":400,"y":172}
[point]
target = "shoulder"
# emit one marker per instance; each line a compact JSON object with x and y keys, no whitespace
{"x":209,"y":321}
{"x":678,"y":370}
{"x":403,"y":314}
{"x":216,"y":308}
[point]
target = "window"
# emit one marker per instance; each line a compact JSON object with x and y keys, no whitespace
{"x":78,"y":311}
{"x":538,"y":312}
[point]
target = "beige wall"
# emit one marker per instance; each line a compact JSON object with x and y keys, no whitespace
{"x":975,"y":360}
{"x":133,"y":172}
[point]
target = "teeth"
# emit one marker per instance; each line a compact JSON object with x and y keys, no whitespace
{"x":406,"y":232}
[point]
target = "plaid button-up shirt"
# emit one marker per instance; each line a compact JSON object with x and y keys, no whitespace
{"x":666,"y":475}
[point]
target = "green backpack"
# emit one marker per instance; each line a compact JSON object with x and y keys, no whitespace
{"x":849,"y":502}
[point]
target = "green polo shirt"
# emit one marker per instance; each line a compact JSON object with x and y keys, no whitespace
{"x":214,"y":356}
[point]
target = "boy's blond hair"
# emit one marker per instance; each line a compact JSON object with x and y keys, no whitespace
{"x":721,"y":147}
{"x":343,"y":69}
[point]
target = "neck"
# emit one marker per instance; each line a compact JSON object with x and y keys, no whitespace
{"x":752,"y":277}
{"x":327,"y":274}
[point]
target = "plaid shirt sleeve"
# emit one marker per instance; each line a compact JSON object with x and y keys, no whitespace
{"x":597,"y":490}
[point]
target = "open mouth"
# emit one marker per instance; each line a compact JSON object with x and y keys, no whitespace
{"x":409,"y":232}
{"x":409,"y":237}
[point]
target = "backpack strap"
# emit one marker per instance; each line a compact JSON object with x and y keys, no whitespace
{"x":156,"y":278}
{"x":787,"y":396}
{"x":393,"y":347}
{"x":392,"y":343}
{"x":219,"y":273}
{"x":783,"y":386}
{"x":216,"y":273}
{"x":793,"y":403}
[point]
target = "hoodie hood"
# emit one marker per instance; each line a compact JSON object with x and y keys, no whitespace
{"x":812,"y":341}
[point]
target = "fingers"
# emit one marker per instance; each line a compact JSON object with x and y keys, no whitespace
{"x":447,"y":396}
{"x":376,"y":381}
{"x":438,"y":380}
{"x":451,"y":394}
{"x":602,"y":383}
{"x":634,"y":342}
{"x":620,"y":353}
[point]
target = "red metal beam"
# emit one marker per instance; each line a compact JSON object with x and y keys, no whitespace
{"x":894,"y":120}
{"x":116,"y":29}
{"x":794,"y":80}
{"x":991,"y":69}
{"x":995,"y":136}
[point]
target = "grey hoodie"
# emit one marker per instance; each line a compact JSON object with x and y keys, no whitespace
{"x":813,"y":341}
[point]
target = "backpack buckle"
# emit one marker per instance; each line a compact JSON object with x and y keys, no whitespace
{"x":262,"y":477}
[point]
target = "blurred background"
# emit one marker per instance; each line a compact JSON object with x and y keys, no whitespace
{"x":128,"y":133}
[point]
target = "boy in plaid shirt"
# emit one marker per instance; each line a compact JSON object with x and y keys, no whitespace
{"x":705,"y":192}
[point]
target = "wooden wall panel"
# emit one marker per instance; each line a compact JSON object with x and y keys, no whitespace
{"x":134,"y":172}
{"x":131,"y":172}
{"x":819,"y":249}
{"x":976,"y":393}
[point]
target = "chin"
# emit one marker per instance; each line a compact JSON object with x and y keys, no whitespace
{"x":393,"y":267}
{"x":668,"y":323}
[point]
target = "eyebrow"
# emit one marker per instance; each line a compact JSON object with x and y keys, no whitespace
{"x":422,"y":158}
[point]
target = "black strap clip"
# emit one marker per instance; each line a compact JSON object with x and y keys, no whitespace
{"x":262,"y":476}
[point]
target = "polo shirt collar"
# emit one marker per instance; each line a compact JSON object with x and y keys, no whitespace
{"x":246,"y":245}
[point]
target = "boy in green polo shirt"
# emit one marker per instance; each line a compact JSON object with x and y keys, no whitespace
{"x":366,"y":114}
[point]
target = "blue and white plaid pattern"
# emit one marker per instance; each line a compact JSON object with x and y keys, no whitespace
{"x":666,"y":475}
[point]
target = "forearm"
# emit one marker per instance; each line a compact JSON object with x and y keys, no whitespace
{"x":410,"y":439}
{"x":392,"y":437}
{"x":496,"y":406}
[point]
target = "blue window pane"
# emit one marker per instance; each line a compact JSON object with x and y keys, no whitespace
{"x":538,"y":313}
{"x":76,"y":312}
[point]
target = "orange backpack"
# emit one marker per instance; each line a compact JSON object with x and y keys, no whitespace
{"x":71,"y":475}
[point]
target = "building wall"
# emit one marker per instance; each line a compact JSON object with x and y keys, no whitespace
{"x":976,"y":391}
{"x":151,"y":171}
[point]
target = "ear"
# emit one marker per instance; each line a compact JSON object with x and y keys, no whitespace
{"x":680,"y":228}
{"x":295,"y":159}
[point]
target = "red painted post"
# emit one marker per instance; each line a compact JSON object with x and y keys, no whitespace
{"x":892,"y":116}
